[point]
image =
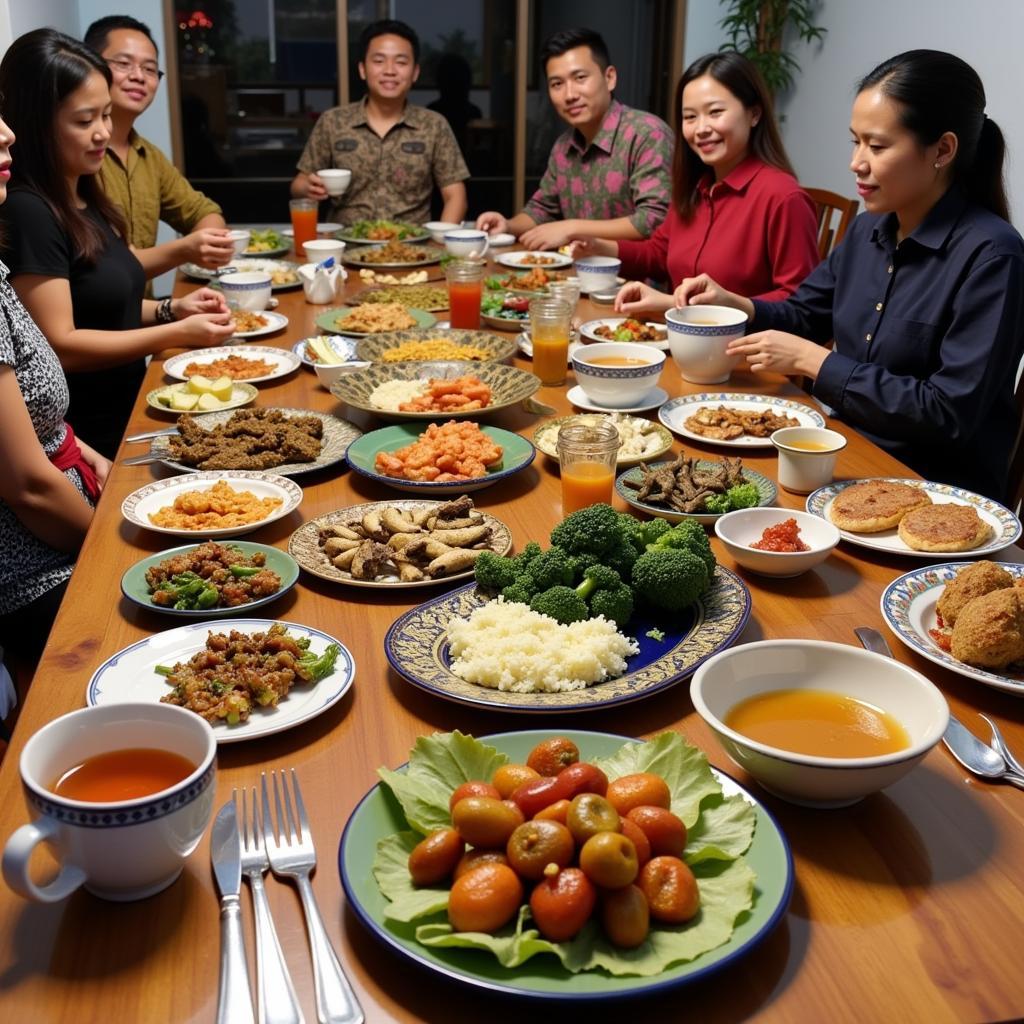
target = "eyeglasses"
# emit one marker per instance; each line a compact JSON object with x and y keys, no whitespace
{"x":125,"y":67}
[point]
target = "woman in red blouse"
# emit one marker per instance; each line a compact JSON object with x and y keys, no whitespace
{"x":736,"y":205}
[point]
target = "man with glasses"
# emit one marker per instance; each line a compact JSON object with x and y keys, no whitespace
{"x":136,"y":174}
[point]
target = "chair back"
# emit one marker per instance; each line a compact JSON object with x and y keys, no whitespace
{"x":1015,"y":471}
{"x":834,"y":215}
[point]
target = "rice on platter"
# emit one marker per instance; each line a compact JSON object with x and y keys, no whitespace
{"x":506,"y":646}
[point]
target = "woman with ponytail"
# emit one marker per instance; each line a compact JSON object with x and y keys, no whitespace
{"x":924,"y":298}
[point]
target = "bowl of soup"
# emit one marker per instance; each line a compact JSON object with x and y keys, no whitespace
{"x":697,"y":338}
{"x":617,"y":374}
{"x":773,"y":541}
{"x":817,"y":723}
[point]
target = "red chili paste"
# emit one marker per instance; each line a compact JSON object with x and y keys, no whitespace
{"x":784,"y":536}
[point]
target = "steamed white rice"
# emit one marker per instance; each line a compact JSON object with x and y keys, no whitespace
{"x":393,"y":393}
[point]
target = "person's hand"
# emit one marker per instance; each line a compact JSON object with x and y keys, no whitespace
{"x":315,"y":187}
{"x":778,"y":352}
{"x":491,"y":222}
{"x":202,"y":330}
{"x":92,"y":458}
{"x":580,"y":247}
{"x":202,"y":300}
{"x":703,"y":290}
{"x":552,"y":235}
{"x":209,"y":247}
{"x":638,"y":299}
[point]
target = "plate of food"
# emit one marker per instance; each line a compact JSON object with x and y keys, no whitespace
{"x":201,"y":394}
{"x":531,"y":282}
{"x":523,"y":260}
{"x":701,"y":489}
{"x":506,"y":311}
{"x":433,"y":345}
{"x":735,"y":844}
{"x":210,"y":579}
{"x":621,"y":328}
{"x":288,"y":441}
{"x":392,"y":256}
{"x":242,"y":703}
{"x":214,"y":503}
{"x":454,"y":457}
{"x":433,"y":298}
{"x":917,"y":518}
{"x":355,"y":545}
{"x":253,"y":364}
{"x":641,"y":439}
{"x":373,"y":318}
{"x":266,"y":243}
{"x":283,"y":274}
{"x":962,"y":616}
{"x":382,"y":231}
{"x":735,"y":419}
{"x":325,"y":349}
{"x":255,"y":325}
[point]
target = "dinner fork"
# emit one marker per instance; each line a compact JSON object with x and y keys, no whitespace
{"x":292,"y":855}
{"x":999,"y":743}
{"x":278,"y":1003}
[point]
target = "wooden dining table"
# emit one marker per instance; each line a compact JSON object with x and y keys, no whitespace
{"x":908,"y":905}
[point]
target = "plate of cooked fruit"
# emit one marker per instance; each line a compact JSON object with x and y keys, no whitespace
{"x":919,"y":518}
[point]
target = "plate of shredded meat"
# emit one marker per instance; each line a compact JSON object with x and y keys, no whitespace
{"x":287,"y":441}
{"x":735,"y":419}
{"x":252,"y":363}
{"x":246,"y":677}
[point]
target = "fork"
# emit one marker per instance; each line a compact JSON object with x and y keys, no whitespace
{"x":278,"y":1003}
{"x":292,"y":855}
{"x":999,"y":743}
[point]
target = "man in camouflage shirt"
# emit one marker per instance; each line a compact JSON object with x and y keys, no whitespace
{"x":609,"y":175}
{"x":396,"y":151}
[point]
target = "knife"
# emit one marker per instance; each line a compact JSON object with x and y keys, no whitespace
{"x":234,"y":1000}
{"x":167,"y":432}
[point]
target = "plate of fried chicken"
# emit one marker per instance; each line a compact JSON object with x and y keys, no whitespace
{"x":735,"y":419}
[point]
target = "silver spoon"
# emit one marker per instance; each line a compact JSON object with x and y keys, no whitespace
{"x":1000,"y":744}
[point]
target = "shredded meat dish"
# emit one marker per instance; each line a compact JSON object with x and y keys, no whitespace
{"x":726,"y":424}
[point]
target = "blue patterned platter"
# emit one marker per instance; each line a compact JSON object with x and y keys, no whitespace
{"x":908,"y":607}
{"x":1004,"y":524}
{"x":674,"y":415}
{"x":416,"y":647}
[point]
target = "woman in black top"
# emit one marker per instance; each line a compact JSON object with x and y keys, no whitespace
{"x":64,"y":240}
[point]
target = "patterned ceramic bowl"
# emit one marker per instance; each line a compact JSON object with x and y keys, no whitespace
{"x":617,"y":374}
{"x":496,"y":348}
{"x":697,"y":337}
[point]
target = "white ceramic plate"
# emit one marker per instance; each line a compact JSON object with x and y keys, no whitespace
{"x":1005,"y":525}
{"x":241,"y":394}
{"x":275,"y":322}
{"x":284,"y":361}
{"x":525,"y":345}
{"x":588,"y":329}
{"x":545,"y":437}
{"x":675,"y":413}
{"x":324,"y":229}
{"x":500,"y":240}
{"x":245,"y":264}
{"x":652,"y":400}
{"x":130,"y":675}
{"x":908,"y":607}
{"x":340,"y":343}
{"x":515,"y":259}
{"x":136,"y":508}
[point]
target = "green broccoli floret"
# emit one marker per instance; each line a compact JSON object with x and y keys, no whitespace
{"x":717,"y":504}
{"x":527,"y":555}
{"x":743,"y":496}
{"x":550,"y":568}
{"x":594,"y":529}
{"x":656,"y":634}
{"x":669,"y":579}
{"x":562,"y":603}
{"x":520,"y":591}
{"x":581,"y":563}
{"x":494,"y":571}
{"x":606,"y":594}
{"x":688,"y":535}
{"x":652,"y":531}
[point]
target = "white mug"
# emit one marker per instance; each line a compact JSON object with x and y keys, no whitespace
{"x":249,"y":290}
{"x":240,"y":240}
{"x":336,"y":179}
{"x":466,"y":242}
{"x":123,"y":850}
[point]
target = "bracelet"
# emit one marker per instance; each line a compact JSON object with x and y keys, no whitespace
{"x":164,"y":313}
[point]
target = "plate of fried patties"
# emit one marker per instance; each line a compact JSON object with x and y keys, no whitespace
{"x":918,"y":518}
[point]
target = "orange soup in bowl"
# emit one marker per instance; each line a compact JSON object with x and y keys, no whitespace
{"x":615,"y":361}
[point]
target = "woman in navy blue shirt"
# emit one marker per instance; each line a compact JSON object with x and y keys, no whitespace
{"x":924,"y":298}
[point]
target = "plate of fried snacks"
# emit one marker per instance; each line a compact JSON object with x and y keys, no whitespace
{"x":219,"y":503}
{"x":399,"y":543}
{"x":735,"y":860}
{"x":917,"y":518}
{"x":255,"y":325}
{"x":382,"y":231}
{"x":452,"y":343}
{"x":283,"y":275}
{"x":252,"y":364}
{"x":426,"y":390}
{"x":267,"y":242}
{"x":392,"y":255}
{"x":689,"y":488}
{"x":522,"y":260}
{"x":621,"y":328}
{"x":735,"y":420}
{"x":431,"y":297}
{"x":450,"y":457}
{"x":210,"y":578}
{"x":964,"y":616}
{"x":641,"y":440}
{"x":372,"y":318}
{"x":288,"y":441}
{"x":265,"y":676}
{"x":201,"y":394}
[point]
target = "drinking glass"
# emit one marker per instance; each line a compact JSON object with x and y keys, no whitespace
{"x":303,"y":212}
{"x":587,"y":454}
{"x":465,"y":290}
{"x":550,"y":322}
{"x":567,"y":290}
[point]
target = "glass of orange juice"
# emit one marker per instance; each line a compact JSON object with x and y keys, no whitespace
{"x":303,"y":213}
{"x":465,"y":292}
{"x":587,"y":453}
{"x":550,"y":323}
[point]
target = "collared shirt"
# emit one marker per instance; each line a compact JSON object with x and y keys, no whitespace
{"x":624,"y":172}
{"x":754,"y":232}
{"x":392,"y":177}
{"x":928,"y":335}
{"x":150,"y":189}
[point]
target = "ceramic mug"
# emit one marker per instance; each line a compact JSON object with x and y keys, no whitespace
{"x":336,"y":179}
{"x":249,"y":290}
{"x":466,"y":242}
{"x":240,"y":240}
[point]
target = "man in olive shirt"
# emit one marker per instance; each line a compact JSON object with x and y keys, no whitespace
{"x":396,"y":151}
{"x":135,"y":174}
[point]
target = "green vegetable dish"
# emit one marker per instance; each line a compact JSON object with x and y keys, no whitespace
{"x":383,"y":230}
{"x":211,"y":576}
{"x":267,"y":240}
{"x":721,"y":832}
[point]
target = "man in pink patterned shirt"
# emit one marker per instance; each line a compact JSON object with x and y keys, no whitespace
{"x":609,"y":175}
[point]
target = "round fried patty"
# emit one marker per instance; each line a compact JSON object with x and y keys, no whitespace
{"x":875,"y":505}
{"x":943,"y":528}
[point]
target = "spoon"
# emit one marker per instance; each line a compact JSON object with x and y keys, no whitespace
{"x":1000,"y":744}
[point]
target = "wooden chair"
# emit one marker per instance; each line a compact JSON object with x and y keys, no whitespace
{"x":831,"y":206}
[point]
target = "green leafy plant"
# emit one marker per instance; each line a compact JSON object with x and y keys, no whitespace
{"x":756,"y":28}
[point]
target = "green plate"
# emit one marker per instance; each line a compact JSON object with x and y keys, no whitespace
{"x":362,"y":455}
{"x":379,"y":815}
{"x":328,"y":321}
{"x":135,"y":588}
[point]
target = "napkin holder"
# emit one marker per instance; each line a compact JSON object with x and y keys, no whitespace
{"x":321,"y":281}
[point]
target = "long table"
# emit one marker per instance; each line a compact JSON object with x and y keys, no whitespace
{"x":908,"y":905}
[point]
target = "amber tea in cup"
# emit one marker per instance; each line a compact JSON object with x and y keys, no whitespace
{"x":123,"y":775}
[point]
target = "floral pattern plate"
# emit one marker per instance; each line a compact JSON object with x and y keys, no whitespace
{"x":908,"y":607}
{"x":242,"y":393}
{"x":416,"y":648}
{"x":545,"y":437}
{"x":675,"y":413}
{"x":283,"y":362}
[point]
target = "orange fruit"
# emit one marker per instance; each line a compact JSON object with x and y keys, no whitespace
{"x":484,"y":899}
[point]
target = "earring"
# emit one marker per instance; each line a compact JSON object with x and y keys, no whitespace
{"x":937,"y":165}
